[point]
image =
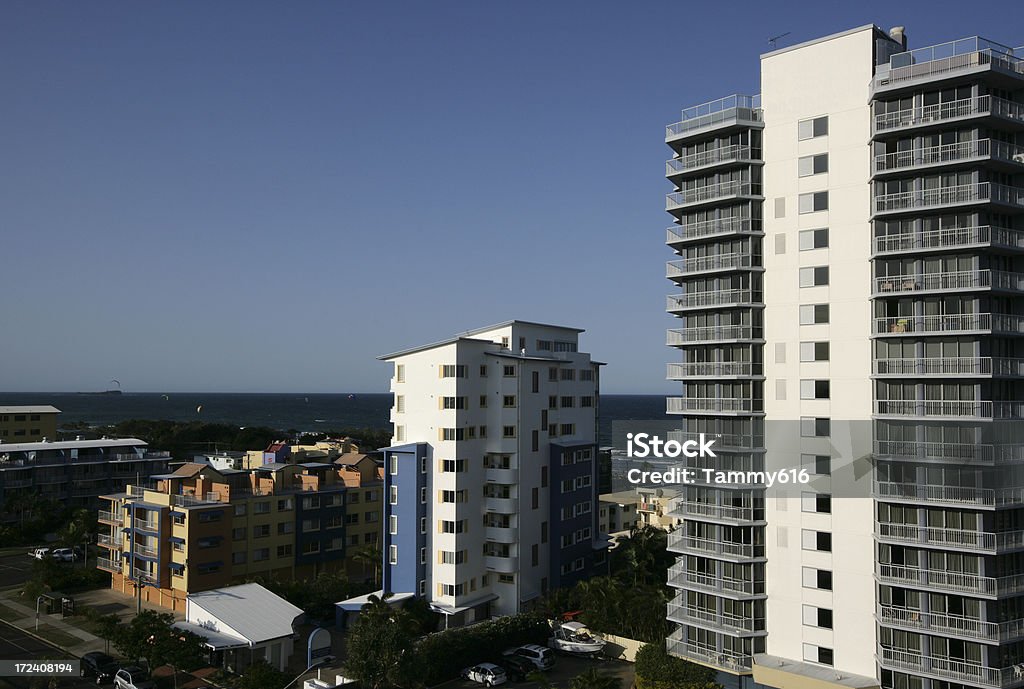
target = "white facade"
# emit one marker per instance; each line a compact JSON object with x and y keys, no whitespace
{"x":492,"y":414}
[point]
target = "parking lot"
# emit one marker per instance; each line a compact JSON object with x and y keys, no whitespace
{"x":15,"y":569}
{"x":565,"y":669}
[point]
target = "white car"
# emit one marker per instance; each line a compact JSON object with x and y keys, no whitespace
{"x":39,"y":553}
{"x":487,"y":674}
{"x":64,"y":555}
{"x":133,"y":677}
{"x":542,"y":658}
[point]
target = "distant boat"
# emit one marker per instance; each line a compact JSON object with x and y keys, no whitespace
{"x":104,"y":392}
{"x":351,"y":397}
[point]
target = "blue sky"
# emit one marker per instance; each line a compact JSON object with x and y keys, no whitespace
{"x":251,"y":196}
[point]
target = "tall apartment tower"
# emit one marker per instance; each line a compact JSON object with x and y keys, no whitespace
{"x":851,"y":262}
{"x":491,"y":482}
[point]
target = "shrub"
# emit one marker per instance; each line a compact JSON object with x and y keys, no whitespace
{"x":656,"y":669}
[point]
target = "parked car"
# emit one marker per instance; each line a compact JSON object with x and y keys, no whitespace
{"x":64,"y":555}
{"x":542,"y":658}
{"x":517,"y":667}
{"x":99,"y":665}
{"x":39,"y":553}
{"x":133,"y":677}
{"x":487,"y":674}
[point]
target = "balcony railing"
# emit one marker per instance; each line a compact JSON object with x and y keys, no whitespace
{"x":957,"y":582}
{"x":147,"y":525}
{"x":949,"y":153}
{"x":682,"y":543}
{"x":711,"y":405}
{"x":685,"y":508}
{"x":981,"y":409}
{"x":952,"y":110}
{"x":711,"y":228}
{"x":108,"y":517}
{"x":954,"y":280}
{"x":946,"y":59}
{"x":910,"y":450}
{"x":953,"y":625}
{"x":717,"y":298}
{"x":952,"y":538}
{"x":736,"y":109}
{"x":949,"y":238}
{"x":108,"y":565}
{"x":950,"y":495}
{"x":712,"y":333}
{"x":950,"y":366}
{"x":109,"y":541}
{"x":727,"y":660}
{"x":194,"y":500}
{"x":710,"y":369}
{"x":723,"y":440}
{"x":981,"y":192}
{"x":691,"y":614}
{"x":711,"y":192}
{"x":704,"y":264}
{"x":678,"y":577}
{"x":951,"y":323}
{"x":950,"y":668}
{"x":714,"y":156}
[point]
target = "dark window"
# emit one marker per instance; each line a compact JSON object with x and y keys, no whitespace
{"x":823,"y":541}
{"x":825,"y":618}
{"x":825,"y":579}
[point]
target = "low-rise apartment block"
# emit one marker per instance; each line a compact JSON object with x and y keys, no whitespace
{"x":28,"y":423}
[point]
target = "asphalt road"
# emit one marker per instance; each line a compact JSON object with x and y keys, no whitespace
{"x":15,"y":644}
{"x":15,"y":569}
{"x":566,"y":667}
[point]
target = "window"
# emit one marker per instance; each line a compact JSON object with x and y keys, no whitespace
{"x":552,"y":373}
{"x":508,"y":431}
{"x":453,"y":466}
{"x":453,"y":403}
{"x":284,"y":528}
{"x":483,"y":370}
{"x":334,"y":522}
{"x":568,"y":374}
{"x":393,"y":495}
{"x":813,"y":314}
{"x":568,"y":429}
{"x":817,"y":464}
{"x":814,"y":351}
{"x":423,"y":495}
{"x":508,"y":401}
{"x":240,"y":510}
{"x":815,"y":427}
{"x":483,"y":401}
{"x":261,"y":554}
{"x":393,"y":554}
{"x":508,"y":371}
{"x":261,"y":507}
{"x":568,"y":402}
{"x":399,"y":373}
{"x":553,"y":402}
{"x":506,"y":579}
{"x":452,"y":557}
{"x":544,"y":477}
{"x":238,"y":534}
{"x":586,"y":374}
{"x":812,"y":128}
{"x":812,"y":165}
{"x":816,"y":540}
{"x":587,"y":401}
{"x":814,"y":389}
{"x":423,"y":587}
{"x":261,"y":531}
{"x":284,"y":550}
{"x":353,"y":498}
{"x":392,"y":524}
{"x":544,"y":345}
{"x":423,"y":525}
{"x":452,"y":496}
{"x":535,"y":381}
{"x":535,"y":441}
{"x":371,"y":517}
{"x":814,"y":277}
{"x":534,"y":555}
{"x":818,"y":654}
{"x":452,"y":433}
{"x":314,"y":524}
{"x":211,"y":516}
{"x":399,"y":403}
{"x":817,"y":578}
{"x":814,"y":239}
{"x":816,"y":502}
{"x":453,"y":371}
{"x":813,"y":202}
{"x":446,"y":526}
{"x":310,"y":503}
{"x":535,"y":498}
{"x":212,"y":567}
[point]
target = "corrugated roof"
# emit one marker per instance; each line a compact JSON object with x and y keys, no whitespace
{"x":72,"y":445}
{"x":250,"y":610}
{"x":30,"y":409}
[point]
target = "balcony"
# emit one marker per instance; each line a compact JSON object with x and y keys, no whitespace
{"x":949,"y":154}
{"x":954,"y":582}
{"x":941,"y":113}
{"x":718,"y":299}
{"x":152,"y":526}
{"x":956,"y":539}
{"x":108,"y":517}
{"x":105,"y":541}
{"x":678,"y":577}
{"x":961,"y":280}
{"x":503,"y":565}
{"x":950,"y":625}
{"x":954,"y":323}
{"x":711,"y":369}
{"x":953,"y":496}
{"x":913,"y":451}
{"x":971,"y":367}
{"x":944,"y":197}
{"x":948,"y":669}
{"x":713,"y":405}
{"x":143,"y":550}
{"x":984,"y":236}
{"x":712,"y":193}
{"x":714,"y":512}
{"x":711,"y":229}
{"x":717,"y":263}
{"x":500,"y":505}
{"x":725,"y":441}
{"x":731,"y":111}
{"x":729,"y":661}
{"x":723,"y":155}
{"x":712,"y":333}
{"x":503,"y":476}
{"x":108,"y":565}
{"x":684,"y":544}
{"x":964,"y":56}
{"x":953,"y":409}
{"x":710,"y":619}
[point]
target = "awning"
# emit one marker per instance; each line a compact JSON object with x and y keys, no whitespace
{"x":356,"y":604}
{"x":452,"y":610}
{"x":218,"y":641}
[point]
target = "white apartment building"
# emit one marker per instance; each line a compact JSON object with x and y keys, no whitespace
{"x":491,"y":480}
{"x":850,"y":269}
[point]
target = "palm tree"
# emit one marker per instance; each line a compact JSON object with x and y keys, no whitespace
{"x":591,"y":679}
{"x":369,"y":555}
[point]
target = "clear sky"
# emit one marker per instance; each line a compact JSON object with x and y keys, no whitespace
{"x":252,"y":196}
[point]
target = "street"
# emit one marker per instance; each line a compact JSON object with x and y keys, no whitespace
{"x":565,"y":669}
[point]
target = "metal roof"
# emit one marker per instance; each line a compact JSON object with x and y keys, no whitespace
{"x":249,"y":610}
{"x":72,"y":445}
{"x":30,"y":409}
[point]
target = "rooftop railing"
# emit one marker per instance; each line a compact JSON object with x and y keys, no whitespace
{"x":946,"y":58}
{"x":735,"y":108}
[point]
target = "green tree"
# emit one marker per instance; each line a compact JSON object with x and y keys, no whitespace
{"x":370,"y":557}
{"x":380,"y":651}
{"x":150,"y":637}
{"x":656,"y":669}
{"x":592,"y":679}
{"x":261,"y":675}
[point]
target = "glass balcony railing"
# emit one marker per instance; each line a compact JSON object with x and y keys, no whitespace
{"x":947,"y":59}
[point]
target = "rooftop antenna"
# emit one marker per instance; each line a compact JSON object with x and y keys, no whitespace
{"x":774,"y":39}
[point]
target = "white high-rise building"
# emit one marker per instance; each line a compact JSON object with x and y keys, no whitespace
{"x":850,"y":281}
{"x":491,"y":481}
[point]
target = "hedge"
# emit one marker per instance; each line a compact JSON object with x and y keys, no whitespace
{"x":656,"y":669}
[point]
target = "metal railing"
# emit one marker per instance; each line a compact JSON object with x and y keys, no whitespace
{"x":978,"y":192}
{"x":697,"y":300}
{"x":711,"y":369}
{"x":950,"y":366}
{"x":959,"y":582}
{"x":949,"y":153}
{"x":727,"y":660}
{"x":953,"y":280}
{"x":678,"y":577}
{"x":712,"y":333}
{"x":681,"y":405}
{"x":722,"y":440}
{"x":713,"y":511}
{"x":108,"y":565}
{"x":144,"y":550}
{"x":714,"y":156}
{"x":717,"y":113}
{"x":146,"y":525}
{"x":984,"y":409}
{"x":690,"y":613}
{"x":953,"y":495}
{"x":194,"y":500}
{"x":698,"y":264}
{"x":711,"y":192}
{"x":950,"y":238}
{"x":711,"y":228}
{"x":952,"y":538}
{"x":954,"y":322}
{"x":959,"y":452}
{"x":105,"y":516}
{"x":951,"y":624}
{"x":951,"y":110}
{"x":681,"y":542}
{"x":945,"y":58}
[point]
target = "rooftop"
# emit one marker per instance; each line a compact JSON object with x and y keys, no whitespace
{"x":622,"y":497}
{"x":822,"y":39}
{"x":72,"y":445}
{"x":468,"y":337}
{"x":249,"y":610}
{"x":30,"y":409}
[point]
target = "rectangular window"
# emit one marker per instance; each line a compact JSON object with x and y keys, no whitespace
{"x":393,"y":524}
{"x":508,"y":401}
{"x":814,"y":277}
{"x":535,"y":498}
{"x":815,"y":427}
{"x":812,"y":128}
{"x":238,"y":534}
{"x":813,"y":202}
{"x":261,"y":555}
{"x":568,"y":429}
{"x":814,"y":389}
{"x":483,"y":370}
{"x":812,"y":165}
{"x":261,"y":531}
{"x":817,"y":578}
{"x":284,"y":528}
{"x":568,"y":374}
{"x":453,"y":371}
{"x":393,"y":465}
{"x":535,"y":381}
{"x":544,"y":477}
{"x":393,"y":495}
{"x":483,"y":401}
{"x":535,"y":441}
{"x":552,"y":373}
{"x":453,"y":403}
{"x":508,"y":431}
{"x":820,"y":503}
{"x":393,"y":554}
{"x":261,"y":507}
{"x":820,"y":465}
{"x":399,"y":373}
{"x":818,"y":654}
{"x":399,"y":434}
{"x":814,"y":351}
{"x":453,"y":466}
{"x":586,"y":374}
{"x":452,"y":433}
{"x":399,"y":403}
{"x":508,"y":371}
{"x":816,"y":540}
{"x":284,"y":550}
{"x":814,"y":239}
{"x":568,"y":401}
{"x":814,"y":314}
{"x":587,"y":401}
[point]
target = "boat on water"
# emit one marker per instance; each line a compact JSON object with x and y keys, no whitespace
{"x":574,"y":638}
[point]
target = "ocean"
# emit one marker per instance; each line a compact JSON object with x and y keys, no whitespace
{"x":283,"y":411}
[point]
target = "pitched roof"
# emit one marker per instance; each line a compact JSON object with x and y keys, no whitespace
{"x":190,"y":469}
{"x":249,"y":610}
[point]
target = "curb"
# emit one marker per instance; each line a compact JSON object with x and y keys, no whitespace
{"x":39,"y":638}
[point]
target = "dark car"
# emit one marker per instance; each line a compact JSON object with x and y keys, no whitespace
{"x":99,"y":665}
{"x":517,"y":667}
